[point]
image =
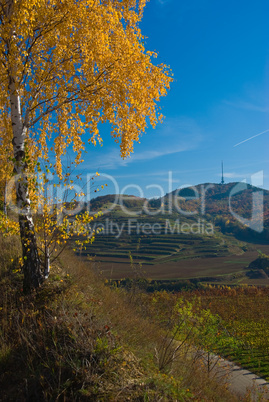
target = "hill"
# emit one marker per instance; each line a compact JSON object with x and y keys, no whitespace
{"x":239,"y":209}
{"x":207,"y":232}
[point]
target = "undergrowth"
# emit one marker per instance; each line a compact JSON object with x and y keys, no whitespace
{"x":78,"y":340}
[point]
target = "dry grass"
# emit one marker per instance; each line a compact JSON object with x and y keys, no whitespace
{"x":78,"y":340}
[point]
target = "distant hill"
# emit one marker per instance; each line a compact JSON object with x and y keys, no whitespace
{"x":208,"y":231}
{"x":216,"y":197}
{"x":222,"y":204}
{"x":105,"y":201}
{"x":225,"y":204}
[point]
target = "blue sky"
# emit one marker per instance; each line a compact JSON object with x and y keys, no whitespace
{"x":219,"y":55}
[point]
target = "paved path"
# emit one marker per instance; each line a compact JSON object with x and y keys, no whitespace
{"x":240,"y":381}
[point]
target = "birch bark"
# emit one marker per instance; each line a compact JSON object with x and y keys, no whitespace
{"x":32,"y":268}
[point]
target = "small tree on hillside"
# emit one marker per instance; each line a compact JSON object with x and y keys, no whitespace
{"x":60,"y":220}
{"x":65,"y":67}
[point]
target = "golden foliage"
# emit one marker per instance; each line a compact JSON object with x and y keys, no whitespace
{"x":78,"y":63}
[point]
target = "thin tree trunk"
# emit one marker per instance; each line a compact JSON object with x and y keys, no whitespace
{"x":5,"y":199}
{"x":33,"y":277}
{"x":31,"y":263}
{"x":47,"y":262}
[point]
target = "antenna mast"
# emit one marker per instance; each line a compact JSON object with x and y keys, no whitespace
{"x":222,"y":178}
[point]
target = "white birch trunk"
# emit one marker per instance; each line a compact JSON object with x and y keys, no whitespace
{"x":32,"y":271}
{"x":47,"y":262}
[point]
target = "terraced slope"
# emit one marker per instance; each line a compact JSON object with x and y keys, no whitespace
{"x":179,"y":235}
{"x":151,"y":242}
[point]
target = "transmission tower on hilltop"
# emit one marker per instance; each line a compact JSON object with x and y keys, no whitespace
{"x":222,"y":178}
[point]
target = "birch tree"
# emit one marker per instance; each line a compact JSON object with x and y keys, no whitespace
{"x":66,"y":67}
